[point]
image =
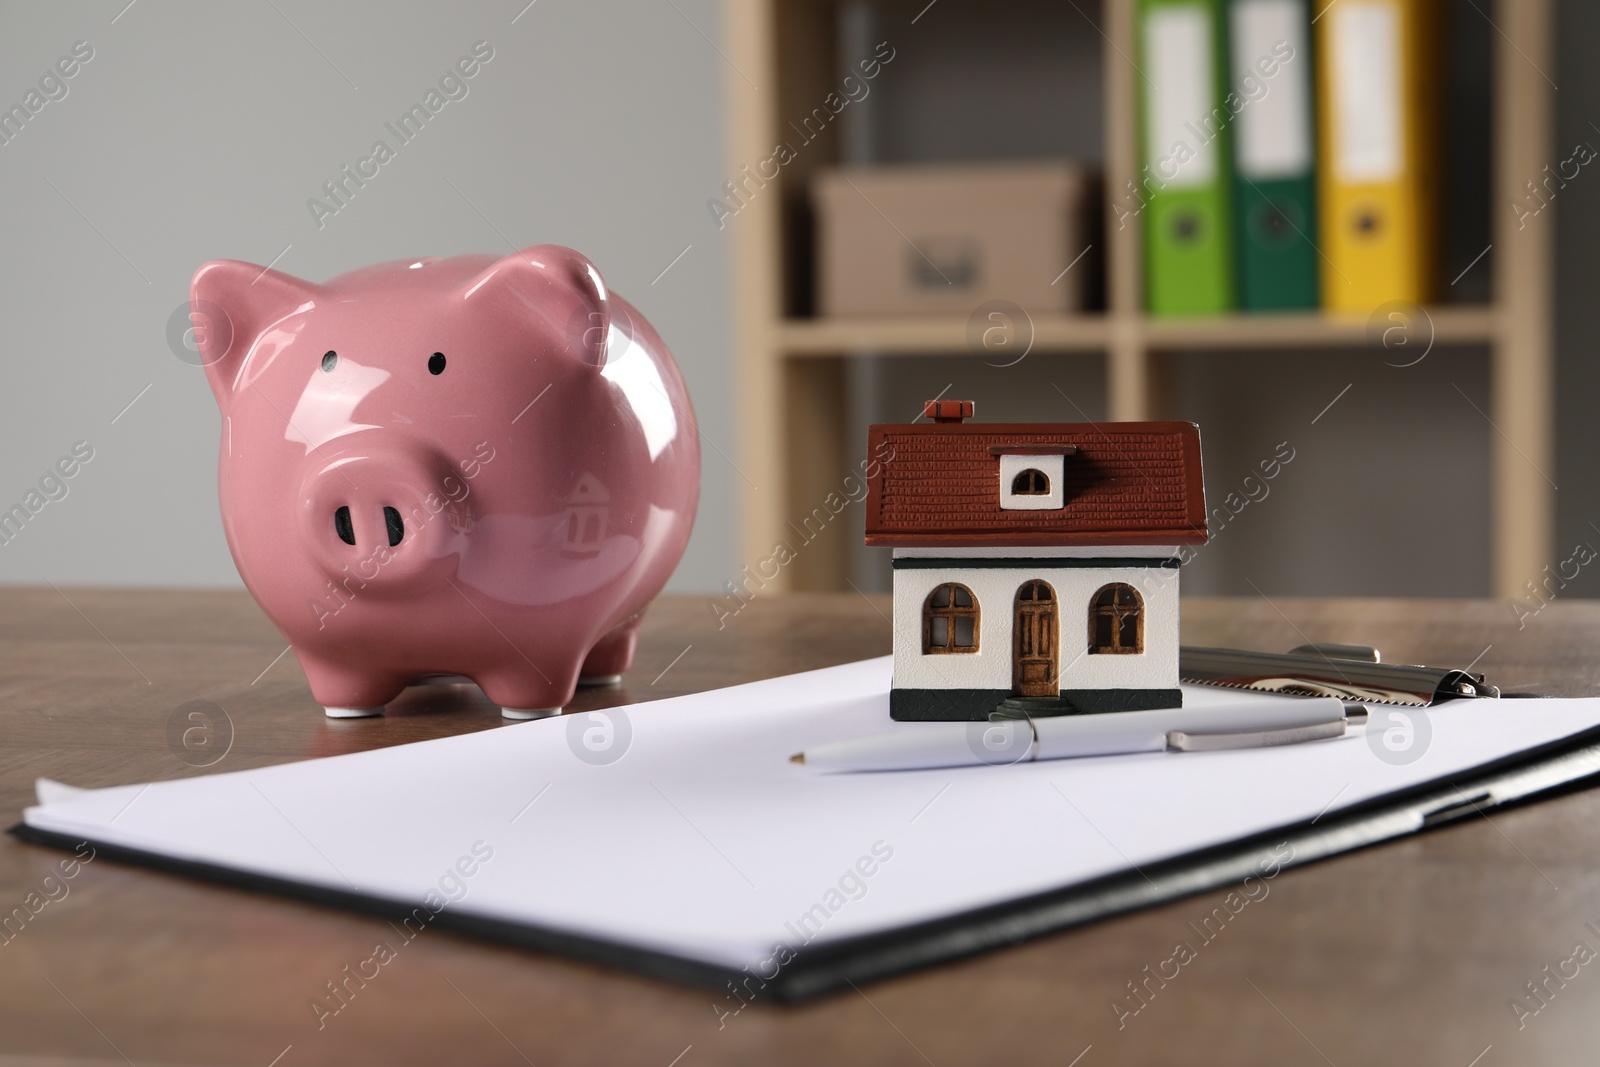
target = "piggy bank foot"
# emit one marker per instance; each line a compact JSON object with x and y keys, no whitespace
{"x":611,"y":655}
{"x":528,"y":713}
{"x":345,"y":693}
{"x":352,"y":713}
{"x":524,"y":697}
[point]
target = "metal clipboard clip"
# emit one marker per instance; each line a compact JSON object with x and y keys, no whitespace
{"x":1351,"y":672}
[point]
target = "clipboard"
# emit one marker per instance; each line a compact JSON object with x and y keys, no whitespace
{"x":1558,"y":764}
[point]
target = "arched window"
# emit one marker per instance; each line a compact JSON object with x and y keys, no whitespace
{"x":1031,"y":482}
{"x":950,"y":620}
{"x":1116,"y":621}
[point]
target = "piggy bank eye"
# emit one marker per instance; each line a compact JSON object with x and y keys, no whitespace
{"x":330,"y":360}
{"x":436,"y":363}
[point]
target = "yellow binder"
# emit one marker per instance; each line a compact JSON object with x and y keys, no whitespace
{"x":1375,"y":178}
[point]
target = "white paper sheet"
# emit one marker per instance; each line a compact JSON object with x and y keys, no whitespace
{"x":702,"y":840}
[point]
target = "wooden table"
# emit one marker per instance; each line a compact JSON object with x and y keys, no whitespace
{"x":1405,"y":954}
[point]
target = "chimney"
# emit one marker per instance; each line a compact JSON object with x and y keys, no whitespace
{"x":947,"y":410}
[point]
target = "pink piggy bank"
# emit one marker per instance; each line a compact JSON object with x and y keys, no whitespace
{"x":464,"y":468}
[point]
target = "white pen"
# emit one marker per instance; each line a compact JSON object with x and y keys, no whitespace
{"x":1256,"y":723}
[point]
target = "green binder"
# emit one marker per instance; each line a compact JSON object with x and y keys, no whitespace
{"x":1274,"y":164}
{"x":1185,"y":181}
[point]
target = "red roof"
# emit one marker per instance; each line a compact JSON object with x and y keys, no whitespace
{"x":1125,"y":483}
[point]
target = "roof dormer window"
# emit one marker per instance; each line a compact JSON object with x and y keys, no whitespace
{"x":1031,"y":481}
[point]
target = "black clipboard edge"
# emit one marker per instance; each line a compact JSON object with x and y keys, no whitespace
{"x":650,"y":962}
{"x":1561,"y":766}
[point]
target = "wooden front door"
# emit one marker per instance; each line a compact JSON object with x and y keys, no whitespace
{"x":1036,"y":644}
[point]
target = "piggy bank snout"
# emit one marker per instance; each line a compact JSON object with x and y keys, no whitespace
{"x":385,"y":516}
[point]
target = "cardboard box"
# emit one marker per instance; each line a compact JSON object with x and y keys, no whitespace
{"x":944,"y":239}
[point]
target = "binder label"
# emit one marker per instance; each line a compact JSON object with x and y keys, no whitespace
{"x":1178,"y":52}
{"x":1274,"y":133}
{"x":1365,"y":39}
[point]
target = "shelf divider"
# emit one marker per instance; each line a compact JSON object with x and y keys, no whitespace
{"x":947,"y":335}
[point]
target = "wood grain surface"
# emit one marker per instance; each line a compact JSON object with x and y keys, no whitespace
{"x":1406,"y":954}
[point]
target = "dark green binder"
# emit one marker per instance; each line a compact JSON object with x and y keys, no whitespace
{"x":1274,"y":154}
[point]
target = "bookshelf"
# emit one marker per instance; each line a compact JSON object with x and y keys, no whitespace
{"x":791,"y":382}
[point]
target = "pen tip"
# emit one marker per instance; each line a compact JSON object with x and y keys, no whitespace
{"x":798,"y":757}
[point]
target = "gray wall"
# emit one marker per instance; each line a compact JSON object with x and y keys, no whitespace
{"x":199,"y":130}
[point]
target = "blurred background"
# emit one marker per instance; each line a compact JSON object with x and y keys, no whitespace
{"x":835,"y":211}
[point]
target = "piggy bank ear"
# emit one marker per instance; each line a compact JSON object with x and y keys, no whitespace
{"x":556,"y":285}
{"x":230,"y":303}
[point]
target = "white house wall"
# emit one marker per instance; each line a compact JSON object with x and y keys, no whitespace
{"x":995,"y":590}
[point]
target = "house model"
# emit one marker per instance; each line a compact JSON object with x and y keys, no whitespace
{"x":1035,"y":566}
